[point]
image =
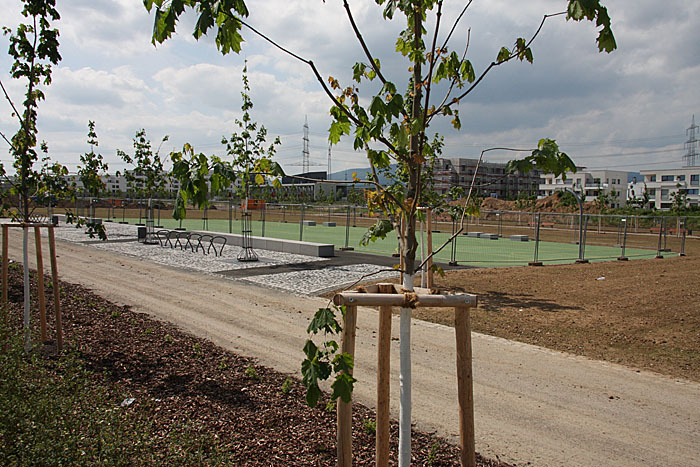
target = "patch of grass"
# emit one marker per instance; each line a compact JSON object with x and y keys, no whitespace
{"x":369,"y":425}
{"x":251,"y":373}
{"x":115,"y":314}
{"x":330,"y":406}
{"x":54,"y":412}
{"x":287,"y":386}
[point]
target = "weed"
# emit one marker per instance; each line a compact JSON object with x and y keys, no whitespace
{"x":330,"y":406}
{"x":168,"y":339}
{"x":115,"y":314}
{"x":223,"y":365}
{"x":369,"y":425}
{"x":287,"y":386}
{"x":251,"y":373}
{"x":148,"y":331}
{"x":432,"y":455}
{"x":197,"y":349}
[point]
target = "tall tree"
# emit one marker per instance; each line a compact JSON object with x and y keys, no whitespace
{"x":34,"y":48}
{"x":393,"y":128}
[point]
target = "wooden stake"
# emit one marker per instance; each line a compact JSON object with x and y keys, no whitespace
{"x":429,"y":216}
{"x":5,"y":262}
{"x":56,"y":292}
{"x":383,"y":380}
{"x":344,"y":430}
{"x":465,"y":391}
{"x":40,"y":284}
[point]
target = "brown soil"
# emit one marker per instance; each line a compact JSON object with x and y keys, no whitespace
{"x":644,"y":314}
{"x":176,"y":378}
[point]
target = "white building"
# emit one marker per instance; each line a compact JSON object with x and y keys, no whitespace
{"x":119,"y":185}
{"x":590,"y":183}
{"x":662,"y":184}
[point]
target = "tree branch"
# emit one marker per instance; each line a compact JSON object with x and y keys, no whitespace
{"x":493,"y":64}
{"x":454,"y":26}
{"x":328,"y":92}
{"x":19,"y":116}
{"x":466,"y":203}
{"x":362,"y":43}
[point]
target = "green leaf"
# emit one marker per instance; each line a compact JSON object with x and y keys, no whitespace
{"x":503,"y":55}
{"x":342,"y":387}
{"x":324,"y":320}
{"x":377,"y":231}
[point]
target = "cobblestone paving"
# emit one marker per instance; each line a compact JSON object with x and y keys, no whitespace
{"x":303,"y":282}
{"x":315,"y":282}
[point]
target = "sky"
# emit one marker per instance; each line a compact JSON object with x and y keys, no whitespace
{"x":628,"y":110}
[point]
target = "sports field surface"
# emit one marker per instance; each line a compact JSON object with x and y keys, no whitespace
{"x":482,"y":252}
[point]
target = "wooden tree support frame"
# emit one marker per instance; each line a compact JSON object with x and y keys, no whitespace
{"x":40,"y":276}
{"x":386,"y":296}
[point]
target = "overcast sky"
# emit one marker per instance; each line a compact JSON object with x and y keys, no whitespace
{"x":628,"y":110}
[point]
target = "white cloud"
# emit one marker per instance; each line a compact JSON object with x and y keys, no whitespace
{"x":638,"y":98}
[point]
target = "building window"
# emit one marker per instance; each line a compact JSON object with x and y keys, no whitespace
{"x":667,"y":178}
{"x":664,"y":195}
{"x":695,"y":180}
{"x":693,"y":192}
{"x":681,"y":178}
{"x":651,"y":178}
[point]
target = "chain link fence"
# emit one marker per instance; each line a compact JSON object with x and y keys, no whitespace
{"x":494,"y":238}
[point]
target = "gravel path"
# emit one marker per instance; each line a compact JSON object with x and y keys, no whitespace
{"x":311,"y":281}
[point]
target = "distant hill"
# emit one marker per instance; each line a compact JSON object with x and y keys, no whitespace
{"x":361,"y":173}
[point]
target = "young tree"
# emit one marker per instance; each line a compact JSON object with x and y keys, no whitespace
{"x":93,"y":168}
{"x":34,"y":48}
{"x":250,"y":158}
{"x":147,"y":175}
{"x":392,"y":129}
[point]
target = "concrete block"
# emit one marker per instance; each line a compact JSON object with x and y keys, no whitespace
{"x":474,"y":234}
{"x":489,"y":236}
{"x":329,"y":224}
{"x":520,"y":238}
{"x":309,"y":223}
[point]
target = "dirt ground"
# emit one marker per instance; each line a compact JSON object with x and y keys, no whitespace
{"x":534,"y":405}
{"x":642,"y":314}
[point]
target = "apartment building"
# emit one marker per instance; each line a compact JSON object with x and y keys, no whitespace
{"x":590,"y":183}
{"x":119,"y":185}
{"x":662,"y":185}
{"x":491,"y":178}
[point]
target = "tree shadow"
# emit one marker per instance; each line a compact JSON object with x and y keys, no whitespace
{"x":494,"y":301}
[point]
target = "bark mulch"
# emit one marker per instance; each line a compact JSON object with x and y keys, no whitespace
{"x":257,"y":415}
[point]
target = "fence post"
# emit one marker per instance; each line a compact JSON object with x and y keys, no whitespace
{"x":140,"y":212}
{"x":123,"y":212}
{"x":582,"y":242}
{"x":624,"y":240}
{"x":230,"y":218}
{"x":661,"y":234}
{"x":684,"y":227}
{"x":536,"y":221}
{"x":284,"y":213}
{"x":301,"y":223}
{"x":453,"y":253}
{"x":347,"y":246}
{"x":262,"y":214}
{"x":159,"y":224}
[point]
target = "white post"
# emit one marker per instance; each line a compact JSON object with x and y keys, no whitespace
{"x":25,"y":259}
{"x":405,"y":379}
